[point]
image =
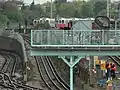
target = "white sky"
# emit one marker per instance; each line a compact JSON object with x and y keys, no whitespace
{"x":43,"y":1}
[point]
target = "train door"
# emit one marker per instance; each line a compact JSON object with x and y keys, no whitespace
{"x":63,"y":24}
{"x":66,"y":24}
{"x":58,"y":24}
{"x":71,"y":23}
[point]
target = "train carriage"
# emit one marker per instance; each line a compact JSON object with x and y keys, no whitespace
{"x":68,"y":23}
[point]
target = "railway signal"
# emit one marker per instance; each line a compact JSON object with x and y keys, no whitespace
{"x":103,"y":22}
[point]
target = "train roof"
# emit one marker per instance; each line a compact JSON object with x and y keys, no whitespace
{"x":78,"y":19}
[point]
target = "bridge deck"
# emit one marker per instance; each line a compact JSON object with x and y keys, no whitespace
{"x":83,"y":48}
{"x":62,"y":51}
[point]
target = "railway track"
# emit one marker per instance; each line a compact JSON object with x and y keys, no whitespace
{"x":48,"y":73}
{"x":8,"y":69}
{"x":7,"y":73}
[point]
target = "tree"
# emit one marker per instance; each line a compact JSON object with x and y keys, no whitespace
{"x":77,"y":5}
{"x":14,"y":16}
{"x":60,"y":1}
{"x":86,"y":10}
{"x":99,"y":6}
{"x":113,"y":13}
{"x":44,"y":25}
{"x":9,"y":6}
{"x":102,"y":13}
{"x":11,"y":11}
{"x":3,"y":19}
{"x":57,"y":4}
{"x":67,"y":10}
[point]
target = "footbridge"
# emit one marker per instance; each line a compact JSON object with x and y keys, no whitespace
{"x":74,"y":43}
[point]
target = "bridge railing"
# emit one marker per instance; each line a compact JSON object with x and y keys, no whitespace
{"x":74,"y":37}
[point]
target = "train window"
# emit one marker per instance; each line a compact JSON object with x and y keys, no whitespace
{"x":34,"y":21}
{"x":40,"y":20}
{"x":71,"y":22}
{"x":62,"y":21}
{"x":47,"y":21}
{"x":59,"y":21}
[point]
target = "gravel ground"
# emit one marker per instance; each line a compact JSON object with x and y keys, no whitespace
{"x":36,"y":79}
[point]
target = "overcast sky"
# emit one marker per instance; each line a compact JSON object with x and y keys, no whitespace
{"x":43,"y":1}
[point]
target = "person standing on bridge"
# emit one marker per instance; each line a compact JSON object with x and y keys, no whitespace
{"x":113,"y":69}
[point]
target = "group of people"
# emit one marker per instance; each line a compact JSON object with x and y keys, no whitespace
{"x":111,"y":68}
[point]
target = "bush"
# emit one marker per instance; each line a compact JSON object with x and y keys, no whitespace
{"x":3,"y":19}
{"x":45,"y":25}
{"x":14,"y":16}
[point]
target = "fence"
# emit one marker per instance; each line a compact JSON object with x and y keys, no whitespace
{"x":75,"y":37}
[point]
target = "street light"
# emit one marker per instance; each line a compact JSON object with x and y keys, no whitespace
{"x":51,"y":9}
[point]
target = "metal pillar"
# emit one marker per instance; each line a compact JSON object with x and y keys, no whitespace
{"x":48,"y":38}
{"x":115,"y":24}
{"x":38,"y":37}
{"x":71,"y":73}
{"x":24,"y":30}
{"x":103,"y":37}
{"x":71,"y":64}
{"x":31,"y":38}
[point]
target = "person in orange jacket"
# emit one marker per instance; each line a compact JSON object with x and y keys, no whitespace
{"x":113,"y":69}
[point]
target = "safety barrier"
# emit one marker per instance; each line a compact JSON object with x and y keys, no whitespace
{"x":74,"y":37}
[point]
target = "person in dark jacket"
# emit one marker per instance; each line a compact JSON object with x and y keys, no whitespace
{"x":113,"y":69}
{"x":108,"y":67}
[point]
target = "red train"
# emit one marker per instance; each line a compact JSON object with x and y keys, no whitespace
{"x":67,"y":23}
{"x":63,"y":23}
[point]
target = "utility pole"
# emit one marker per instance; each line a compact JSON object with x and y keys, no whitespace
{"x":108,"y":8}
{"x":117,"y":18}
{"x":118,"y":10}
{"x":51,"y":9}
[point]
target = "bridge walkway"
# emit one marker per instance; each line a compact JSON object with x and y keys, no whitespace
{"x":74,"y":43}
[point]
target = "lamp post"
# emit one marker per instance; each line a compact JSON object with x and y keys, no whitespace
{"x":51,"y":9}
